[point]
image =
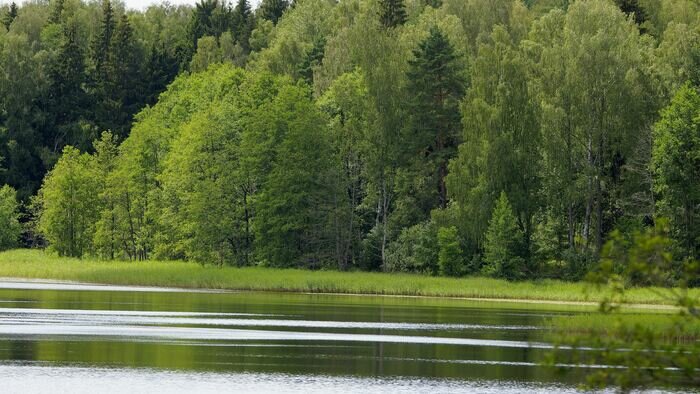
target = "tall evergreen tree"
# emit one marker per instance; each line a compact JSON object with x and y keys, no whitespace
{"x":102,"y":43}
{"x":392,"y":13}
{"x":503,"y":246}
{"x":313,"y":59}
{"x":125,"y":94}
{"x":436,"y":86}
{"x":242,"y":24}
{"x":161,"y":69}
{"x":272,"y":10}
{"x":10,"y":16}
{"x":67,"y":99}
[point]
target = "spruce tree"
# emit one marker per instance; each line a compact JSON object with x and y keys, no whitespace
{"x":272,"y":10}
{"x":436,"y":86}
{"x":313,"y":58}
{"x":67,"y":100}
{"x":503,"y":244}
{"x":242,"y":24}
{"x":392,"y":13}
{"x":201,"y":22}
{"x":125,"y":94}
{"x":10,"y":16}
{"x":102,"y":43}
{"x":161,"y":69}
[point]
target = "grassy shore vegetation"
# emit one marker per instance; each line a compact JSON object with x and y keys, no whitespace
{"x":40,"y":265}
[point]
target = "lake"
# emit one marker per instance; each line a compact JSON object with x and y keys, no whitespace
{"x":60,"y":337}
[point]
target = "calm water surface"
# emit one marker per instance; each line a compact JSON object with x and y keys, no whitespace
{"x":74,"y":338}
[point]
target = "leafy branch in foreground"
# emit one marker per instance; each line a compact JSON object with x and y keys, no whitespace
{"x":638,"y":355}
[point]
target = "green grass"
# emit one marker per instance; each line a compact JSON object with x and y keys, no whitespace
{"x":36,"y":264}
{"x":609,"y":324}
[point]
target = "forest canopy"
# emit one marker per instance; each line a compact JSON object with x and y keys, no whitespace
{"x":506,"y":138}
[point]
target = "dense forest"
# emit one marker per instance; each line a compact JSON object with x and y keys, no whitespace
{"x":506,"y":138}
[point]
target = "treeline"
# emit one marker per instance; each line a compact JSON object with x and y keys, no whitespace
{"x":445,"y":137}
{"x":72,"y":69}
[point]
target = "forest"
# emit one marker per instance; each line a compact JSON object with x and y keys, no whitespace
{"x":504,"y":138}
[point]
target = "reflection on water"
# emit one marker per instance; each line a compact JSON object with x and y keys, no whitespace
{"x":27,"y":378}
{"x":72,"y":336}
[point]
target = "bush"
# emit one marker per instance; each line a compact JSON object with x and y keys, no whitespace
{"x":451,"y":256}
{"x":10,"y":229}
{"x":415,"y":250}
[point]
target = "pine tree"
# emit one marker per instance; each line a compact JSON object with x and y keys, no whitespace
{"x":503,"y":244}
{"x":392,"y":13}
{"x":10,"y":16}
{"x":436,"y":86}
{"x":272,"y":10}
{"x":242,"y":24}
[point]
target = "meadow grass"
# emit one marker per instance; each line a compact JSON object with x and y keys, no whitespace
{"x":36,"y":264}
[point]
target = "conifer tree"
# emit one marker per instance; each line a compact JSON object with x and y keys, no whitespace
{"x":67,"y":99}
{"x":272,"y":10}
{"x":242,"y":21}
{"x":10,"y":16}
{"x":102,"y":44}
{"x":392,"y":13}
{"x":161,"y":69}
{"x":125,"y":93}
{"x":313,"y":59}
{"x":436,"y":86}
{"x":503,"y":244}
{"x":201,"y":22}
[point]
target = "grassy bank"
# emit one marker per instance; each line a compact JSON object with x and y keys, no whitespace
{"x":667,"y":327}
{"x":39,"y":265}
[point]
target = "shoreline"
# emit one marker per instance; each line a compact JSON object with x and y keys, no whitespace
{"x":39,"y":266}
{"x":57,"y":284}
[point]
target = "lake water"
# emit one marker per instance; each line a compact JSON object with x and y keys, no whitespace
{"x":78,"y":338}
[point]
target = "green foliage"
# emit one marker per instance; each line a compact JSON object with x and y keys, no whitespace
{"x":436,"y":85}
{"x":415,"y":250}
{"x":644,"y":355}
{"x":10,"y":228}
{"x":273,"y":10}
{"x":450,"y":257}
{"x":503,"y":244}
{"x":392,"y":13}
{"x":295,"y":203}
{"x":39,"y":265}
{"x":676,"y":166}
{"x":69,"y":204}
{"x":10,"y":15}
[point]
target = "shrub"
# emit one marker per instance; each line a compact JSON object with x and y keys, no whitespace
{"x":10,"y":229}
